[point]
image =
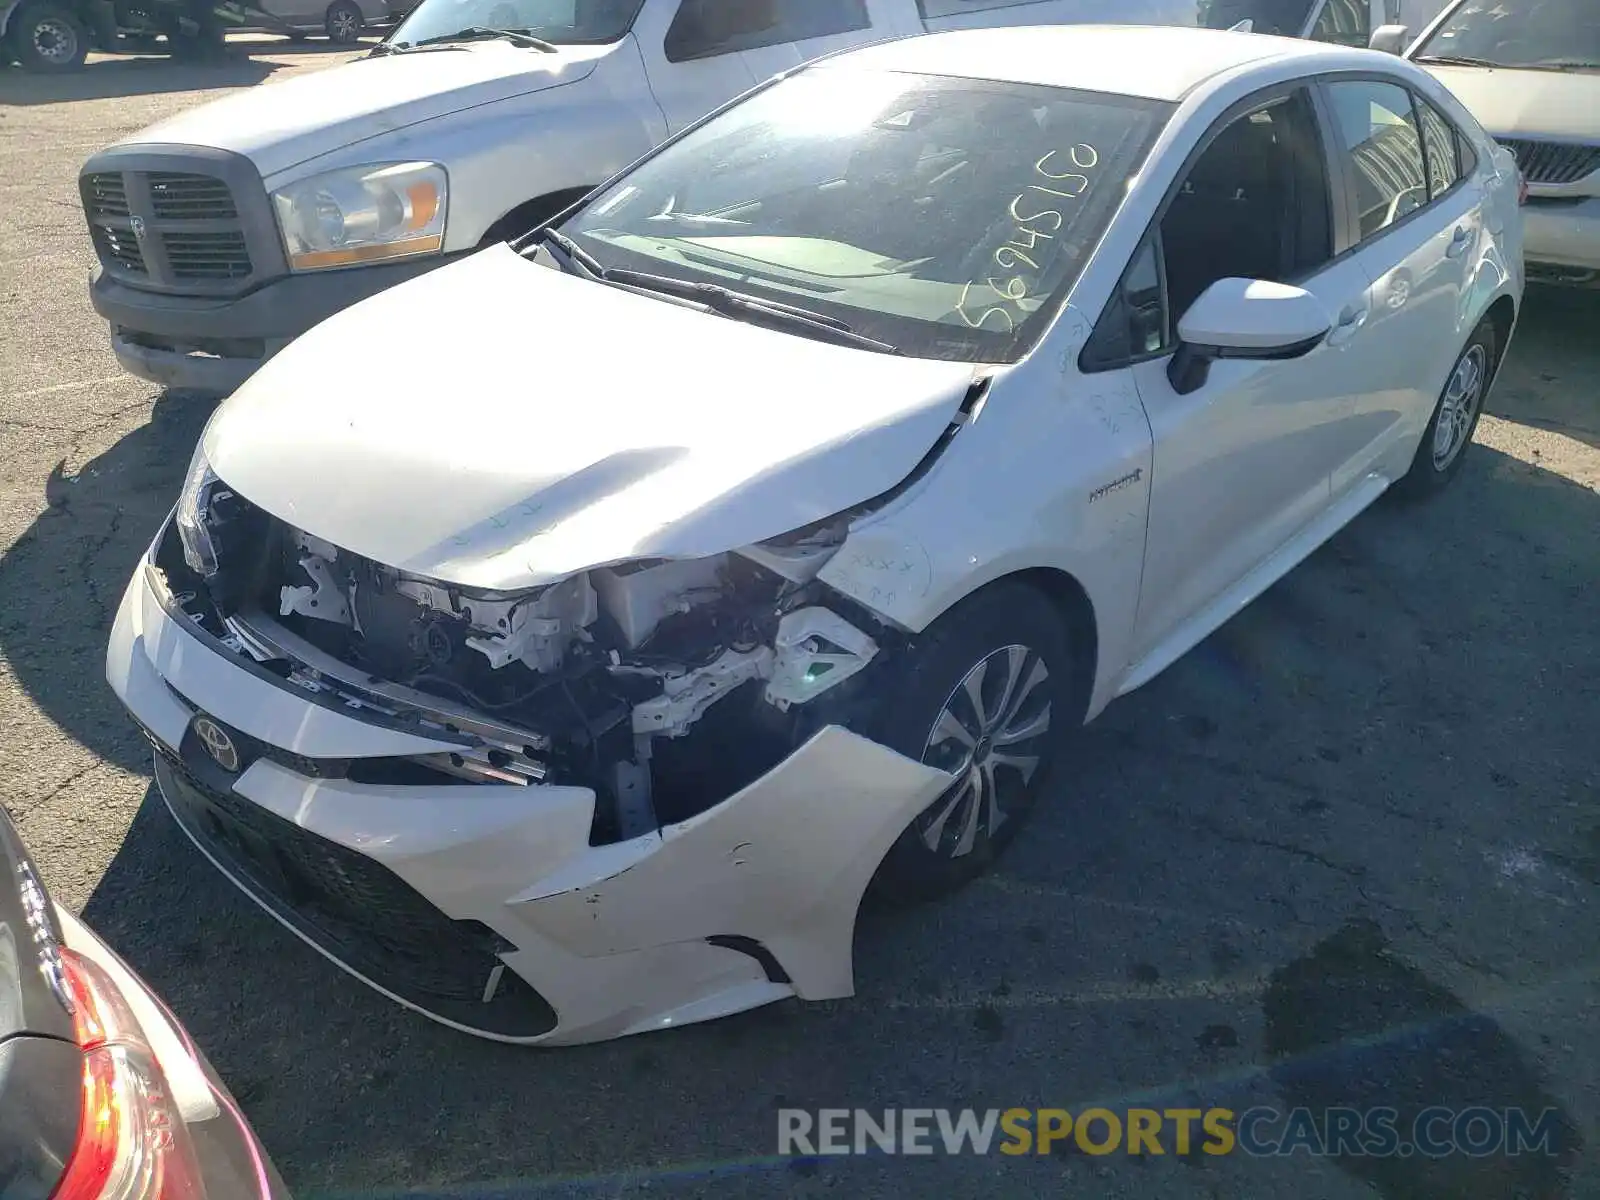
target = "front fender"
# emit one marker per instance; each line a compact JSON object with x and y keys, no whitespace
{"x":1052,"y":470}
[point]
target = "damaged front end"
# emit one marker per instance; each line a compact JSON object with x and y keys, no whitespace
{"x":665,"y":686}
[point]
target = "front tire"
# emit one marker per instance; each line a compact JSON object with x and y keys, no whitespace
{"x":1455,"y":418}
{"x":985,"y":693}
{"x":343,"y":22}
{"x":48,"y":40}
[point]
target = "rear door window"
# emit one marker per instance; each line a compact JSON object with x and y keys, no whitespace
{"x":704,"y":28}
{"x":1376,"y":129}
{"x":1442,"y":146}
{"x":1345,"y":22}
{"x":1285,"y":17}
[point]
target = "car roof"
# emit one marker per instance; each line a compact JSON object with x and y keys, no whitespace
{"x":1157,"y":62}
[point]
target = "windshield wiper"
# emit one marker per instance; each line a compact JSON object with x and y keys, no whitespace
{"x":1457,"y":60}
{"x":473,"y":33}
{"x":1563,"y":64}
{"x":736,"y":304}
{"x":588,"y":263}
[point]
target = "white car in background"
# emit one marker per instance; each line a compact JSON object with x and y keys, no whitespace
{"x":1530,"y":72}
{"x":762,"y":528}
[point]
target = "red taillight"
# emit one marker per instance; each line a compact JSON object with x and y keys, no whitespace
{"x":132,"y":1143}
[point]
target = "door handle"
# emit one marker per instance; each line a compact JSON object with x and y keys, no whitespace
{"x":1349,"y":323}
{"x":1459,"y":242}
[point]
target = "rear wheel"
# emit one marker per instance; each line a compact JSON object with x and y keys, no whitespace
{"x":47,"y":39}
{"x":1455,"y":417}
{"x":344,"y":22}
{"x":985,"y":695}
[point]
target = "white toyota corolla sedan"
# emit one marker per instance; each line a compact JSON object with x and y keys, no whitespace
{"x":570,"y":667}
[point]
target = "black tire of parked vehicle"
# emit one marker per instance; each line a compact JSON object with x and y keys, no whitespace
{"x":47,"y":39}
{"x":983,"y":629}
{"x":1439,"y":457}
{"x":343,"y":22}
{"x":194,"y":35}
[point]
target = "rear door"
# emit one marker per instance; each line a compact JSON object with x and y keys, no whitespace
{"x":1419,"y":219}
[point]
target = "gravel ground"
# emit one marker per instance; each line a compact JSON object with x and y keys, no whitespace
{"x":1365,"y":812}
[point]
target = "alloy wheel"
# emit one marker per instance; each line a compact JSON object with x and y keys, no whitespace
{"x":1459,"y":408}
{"x":989,"y":733}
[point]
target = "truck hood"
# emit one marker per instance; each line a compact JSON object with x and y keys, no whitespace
{"x":1530,"y":104}
{"x":498,"y":424}
{"x":282,"y":124}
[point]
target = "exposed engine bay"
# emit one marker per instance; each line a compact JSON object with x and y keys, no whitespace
{"x":664,"y":685}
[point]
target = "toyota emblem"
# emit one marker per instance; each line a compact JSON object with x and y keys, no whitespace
{"x":136,"y":223}
{"x":217,"y":743}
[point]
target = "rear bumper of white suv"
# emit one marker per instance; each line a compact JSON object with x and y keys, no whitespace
{"x":1562,"y":238}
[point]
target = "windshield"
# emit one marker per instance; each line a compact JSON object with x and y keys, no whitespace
{"x":564,"y":22}
{"x":946,"y":217}
{"x":1547,"y":34}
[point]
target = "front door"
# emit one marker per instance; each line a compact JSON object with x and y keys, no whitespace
{"x":1244,"y":463}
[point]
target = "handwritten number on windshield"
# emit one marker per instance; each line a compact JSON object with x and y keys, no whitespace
{"x":1031,"y":229}
{"x":980,"y":321}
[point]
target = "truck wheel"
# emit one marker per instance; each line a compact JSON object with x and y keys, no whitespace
{"x":344,"y":22}
{"x":207,"y":46}
{"x":47,"y":39}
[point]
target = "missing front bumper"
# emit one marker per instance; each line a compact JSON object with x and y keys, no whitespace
{"x":398,"y":883}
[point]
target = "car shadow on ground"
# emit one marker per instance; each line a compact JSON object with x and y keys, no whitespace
{"x":1283,"y":720}
{"x":61,"y":580}
{"x":1554,"y":322}
{"x":105,"y":77}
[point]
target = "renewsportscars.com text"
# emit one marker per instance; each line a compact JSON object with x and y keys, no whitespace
{"x":1259,"y":1132}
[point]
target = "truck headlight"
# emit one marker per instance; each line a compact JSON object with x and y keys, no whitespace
{"x":193,"y":514}
{"x":363,"y":214}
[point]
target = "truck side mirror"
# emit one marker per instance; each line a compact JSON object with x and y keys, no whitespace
{"x":1390,"y":39}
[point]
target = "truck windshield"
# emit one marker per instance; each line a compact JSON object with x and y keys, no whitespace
{"x":1548,"y":35}
{"x":945,"y":217}
{"x":563,"y":22}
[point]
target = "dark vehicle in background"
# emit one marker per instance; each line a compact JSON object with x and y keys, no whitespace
{"x":103,"y":1096}
{"x":56,"y":35}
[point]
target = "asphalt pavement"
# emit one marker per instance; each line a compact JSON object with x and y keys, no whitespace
{"x":1345,"y":852}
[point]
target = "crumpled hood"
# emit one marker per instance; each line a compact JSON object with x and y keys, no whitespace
{"x":498,"y":424}
{"x":1529,"y":104}
{"x":278,"y":125}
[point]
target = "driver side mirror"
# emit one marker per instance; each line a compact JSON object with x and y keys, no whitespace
{"x":1245,"y":318}
{"x":1390,"y":39}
